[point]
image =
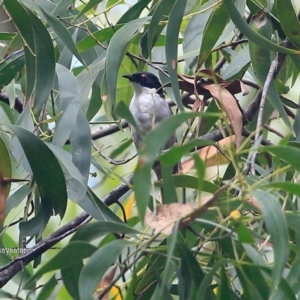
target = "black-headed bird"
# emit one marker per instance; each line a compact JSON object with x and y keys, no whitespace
{"x":149,"y":108}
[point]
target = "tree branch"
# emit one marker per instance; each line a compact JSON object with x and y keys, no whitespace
{"x":16,"y":265}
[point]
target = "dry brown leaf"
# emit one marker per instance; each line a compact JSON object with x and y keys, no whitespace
{"x":106,"y":280}
{"x":210,"y":155}
{"x":163,"y":220}
{"x":231,"y":108}
{"x":4,"y":192}
{"x":235,"y":87}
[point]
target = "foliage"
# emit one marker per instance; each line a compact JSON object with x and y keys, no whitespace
{"x":228,"y":227}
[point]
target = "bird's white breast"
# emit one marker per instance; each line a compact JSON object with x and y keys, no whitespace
{"x":148,"y":109}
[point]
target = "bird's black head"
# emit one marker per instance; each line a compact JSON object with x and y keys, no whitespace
{"x":146,"y":79}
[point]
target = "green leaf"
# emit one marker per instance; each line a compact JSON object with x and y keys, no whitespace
{"x":16,"y":198}
{"x":191,"y":182}
{"x":261,"y":60}
{"x":204,"y":288}
{"x":99,"y":36}
{"x":7,"y":36}
{"x":290,"y":187}
{"x":63,"y":259}
{"x":86,"y":80}
{"x":188,"y":259}
{"x":97,"y":209}
{"x":133,"y":12}
{"x":200,"y":168}
{"x":97,"y":265}
{"x":151,"y":145}
{"x":39,"y":52}
{"x":193,"y":34}
{"x":45,"y":168}
{"x":21,"y":19}
{"x":81,"y":145}
{"x":161,"y":10}
{"x":213,"y":29}
{"x":288,"y":21}
{"x":10,"y":70}
{"x":70,"y":278}
{"x":8,"y":295}
{"x":168,"y":186}
{"x":45,"y":62}
{"x":76,"y":183}
{"x":94,"y":230}
{"x":35,"y":226}
{"x":67,"y":103}
{"x":47,"y":289}
{"x":5,"y":173}
{"x":287,"y":153}
{"x":115,"y":53}
{"x":241,"y":24}
{"x":173,"y":155}
{"x":277,"y":227}
{"x":87,"y":7}
{"x":169,"y":266}
{"x":172,"y":47}
{"x":63,"y":34}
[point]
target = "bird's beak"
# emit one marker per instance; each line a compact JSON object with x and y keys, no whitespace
{"x":130,"y":77}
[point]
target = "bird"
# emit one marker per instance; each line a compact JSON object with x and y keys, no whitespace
{"x":149,"y":108}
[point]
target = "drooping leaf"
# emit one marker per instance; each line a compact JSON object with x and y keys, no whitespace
{"x":97,"y":265}
{"x":47,"y":289}
{"x":213,"y":30}
{"x":5,"y":174}
{"x":261,"y":60}
{"x":91,"y":4}
{"x":115,"y":52}
{"x":288,"y":21}
{"x":241,"y":24}
{"x":63,"y":259}
{"x":160,"y":11}
{"x":277,"y":228}
{"x":172,"y":47}
{"x":62,"y":33}
{"x":133,"y":12}
{"x":45,"y":62}
{"x":67,"y":103}
{"x":10,"y":70}
{"x":45,"y":169}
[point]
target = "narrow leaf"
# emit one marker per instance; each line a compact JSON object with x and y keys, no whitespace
{"x":212,"y":32}
{"x":172,"y":47}
{"x":289,"y":21}
{"x":115,"y":53}
{"x":241,"y":24}
{"x":45,"y":168}
{"x":277,"y":227}
{"x":97,"y":265}
{"x":62,"y":33}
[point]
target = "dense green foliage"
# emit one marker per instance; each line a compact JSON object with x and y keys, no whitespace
{"x":228,"y":227}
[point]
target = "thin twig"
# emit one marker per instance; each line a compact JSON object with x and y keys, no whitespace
{"x":259,"y":123}
{"x":113,"y":161}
